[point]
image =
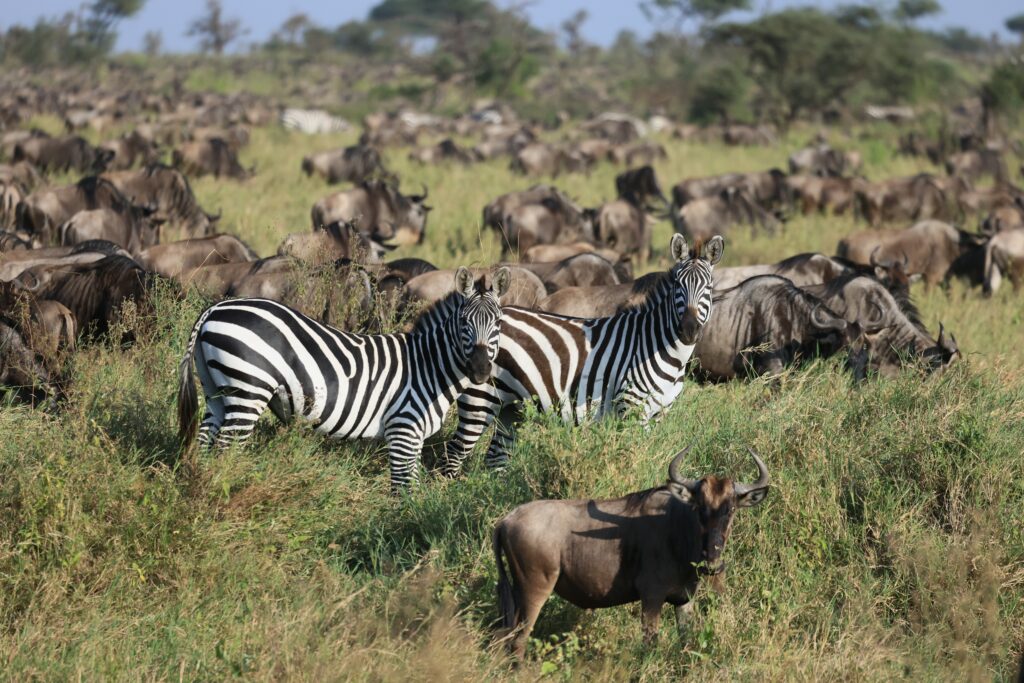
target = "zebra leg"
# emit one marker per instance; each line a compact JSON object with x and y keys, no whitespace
{"x":404,"y":448}
{"x":504,"y":436}
{"x":477,"y":408}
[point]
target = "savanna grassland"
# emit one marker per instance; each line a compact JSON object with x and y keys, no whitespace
{"x":890,"y":547}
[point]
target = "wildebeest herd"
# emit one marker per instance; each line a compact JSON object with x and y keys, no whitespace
{"x":561,"y":323}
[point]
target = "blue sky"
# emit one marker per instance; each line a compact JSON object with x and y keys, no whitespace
{"x":607,"y":17}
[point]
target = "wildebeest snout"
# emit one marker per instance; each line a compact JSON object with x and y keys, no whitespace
{"x":689,"y":326}
{"x":479,"y":365}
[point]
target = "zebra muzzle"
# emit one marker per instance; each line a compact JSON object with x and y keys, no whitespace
{"x":479,"y":365}
{"x":689,"y":326}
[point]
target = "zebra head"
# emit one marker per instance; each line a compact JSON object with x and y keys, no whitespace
{"x":480,"y":321}
{"x":692,"y":283}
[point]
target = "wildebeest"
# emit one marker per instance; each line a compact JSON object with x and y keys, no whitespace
{"x":379,"y":210}
{"x":893,"y":331}
{"x":133,"y":229}
{"x":44,"y":210}
{"x":801,"y":269}
{"x":928,"y":248}
{"x":129,"y":149}
{"x":764,"y":325}
{"x":1004,"y":256}
{"x":210,"y":156}
{"x":602,"y":301}
{"x":23,"y":174}
{"x":975,"y":163}
{"x":22,"y":371}
{"x":353,"y":164}
{"x":338,"y":240}
{"x":541,"y":158}
{"x":168,"y":189}
{"x":446,"y":150}
{"x":818,"y":194}
{"x":11,"y":195}
{"x":62,"y":154}
{"x":582,"y":270}
{"x":170,"y":260}
{"x":12,"y":241}
{"x":912,"y":198}
{"x":639,"y":186}
{"x":524,"y":288}
{"x":552,"y":253}
{"x":496,"y":210}
{"x":823,"y":160}
{"x":650,"y":546}
{"x":548,"y":221}
{"x":702,"y":218}
{"x":638,"y":153}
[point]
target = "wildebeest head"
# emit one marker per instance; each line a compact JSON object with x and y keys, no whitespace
{"x":715,"y":501}
{"x":480,"y":321}
{"x":692,"y":283}
{"x":102,"y":159}
{"x":638,"y":185}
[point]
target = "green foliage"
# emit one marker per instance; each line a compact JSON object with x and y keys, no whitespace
{"x":718,"y":95}
{"x":214,"y":31}
{"x":423,"y":16}
{"x":1003,"y":92}
{"x":912,"y":10}
{"x":1015,"y":24}
{"x":705,"y":10}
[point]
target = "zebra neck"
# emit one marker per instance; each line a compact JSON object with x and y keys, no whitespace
{"x":434,"y":360}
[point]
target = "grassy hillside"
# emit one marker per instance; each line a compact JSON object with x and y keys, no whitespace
{"x":890,"y":545}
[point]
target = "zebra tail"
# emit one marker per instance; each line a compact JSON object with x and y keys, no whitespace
{"x":506,"y":598}
{"x":188,"y":400}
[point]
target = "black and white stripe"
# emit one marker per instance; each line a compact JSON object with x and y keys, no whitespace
{"x":585,"y":369}
{"x":251,"y":354}
{"x":313,"y":121}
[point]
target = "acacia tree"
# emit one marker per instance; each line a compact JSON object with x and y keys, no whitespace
{"x":704,"y":11}
{"x":909,"y":11}
{"x":1015,"y":24}
{"x":215,"y":32}
{"x":97,"y":24}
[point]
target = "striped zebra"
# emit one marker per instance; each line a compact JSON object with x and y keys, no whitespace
{"x":313,"y":121}
{"x":581,"y":369}
{"x":252,"y":354}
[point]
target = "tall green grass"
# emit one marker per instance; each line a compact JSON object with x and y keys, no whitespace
{"x":890,"y":545}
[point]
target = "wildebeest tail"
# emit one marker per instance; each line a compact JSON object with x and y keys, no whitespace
{"x":506,"y":598}
{"x":188,"y":400}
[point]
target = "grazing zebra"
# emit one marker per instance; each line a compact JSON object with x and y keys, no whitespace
{"x":313,"y":121}
{"x":255,"y":353}
{"x":634,"y":360}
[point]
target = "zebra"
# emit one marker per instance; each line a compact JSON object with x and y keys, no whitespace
{"x":251,"y":354}
{"x":313,"y":121}
{"x":581,"y":369}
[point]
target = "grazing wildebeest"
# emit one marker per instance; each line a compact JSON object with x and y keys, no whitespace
{"x":1004,"y":255}
{"x":23,"y":174}
{"x":651,"y":546}
{"x":495,"y":212}
{"x":22,"y":371}
{"x":44,"y":210}
{"x":133,"y":229}
{"x":352,"y":164}
{"x":624,"y":227}
{"x":694,"y":188}
{"x":764,"y":325}
{"x":211,"y":156}
{"x":379,"y":210}
{"x":446,"y":150}
{"x":893,"y":331}
{"x":801,"y":269}
{"x":546,"y":222}
{"x":600,"y":302}
{"x":14,"y":263}
{"x":541,"y":158}
{"x":912,"y":198}
{"x":582,"y":270}
{"x":524,"y":288}
{"x":129,"y":149}
{"x":214,"y":281}
{"x":47,"y":327}
{"x":338,"y":240}
{"x":168,"y":189}
{"x":704,"y":217}
{"x":975,"y":163}
{"x":170,"y":260}
{"x":638,"y":153}
{"x":823,"y":160}
{"x":552,"y":253}
{"x":819,"y":194}
{"x":63,"y":154}
{"x":928,"y":248}
{"x":1005,"y":216}
{"x":638,"y":186}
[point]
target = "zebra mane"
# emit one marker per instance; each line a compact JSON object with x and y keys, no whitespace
{"x":653,"y":289}
{"x":438,"y":312}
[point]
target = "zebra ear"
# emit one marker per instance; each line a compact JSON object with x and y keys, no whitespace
{"x":714,"y":249}
{"x":464,"y":281}
{"x":680,"y":252}
{"x":500,"y":281}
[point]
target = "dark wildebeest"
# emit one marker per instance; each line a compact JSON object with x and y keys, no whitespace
{"x":764,"y":325}
{"x":1004,"y":256}
{"x":975,"y":163}
{"x":129,"y":149}
{"x":211,"y":156}
{"x":379,"y":210}
{"x":22,"y":371}
{"x":928,"y":248}
{"x":168,"y":189}
{"x":338,"y":240}
{"x":446,"y":150}
{"x":822,"y":160}
{"x":912,"y":198}
{"x":524,"y":288}
{"x":639,"y":186}
{"x":701,"y":219}
{"x":582,"y":270}
{"x":546,"y":222}
{"x":63,"y":154}
{"x":170,"y":260}
{"x":94,"y":292}
{"x":12,"y":138}
{"x":352,"y":164}
{"x":650,"y":546}
{"x":44,"y":210}
{"x":133,"y":229}
{"x":893,"y":331}
{"x":47,"y":327}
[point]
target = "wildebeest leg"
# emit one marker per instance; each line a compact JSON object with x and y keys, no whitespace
{"x":504,"y":436}
{"x":532,"y":594}
{"x":684,"y":613}
{"x":651,"y":618}
{"x":477,"y":409}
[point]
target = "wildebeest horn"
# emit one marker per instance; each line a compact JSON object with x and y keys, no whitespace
{"x":873,"y":322}
{"x":873,"y":261}
{"x":820,"y":318}
{"x":762,"y":477}
{"x":426,"y":192}
{"x":673,"y":470}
